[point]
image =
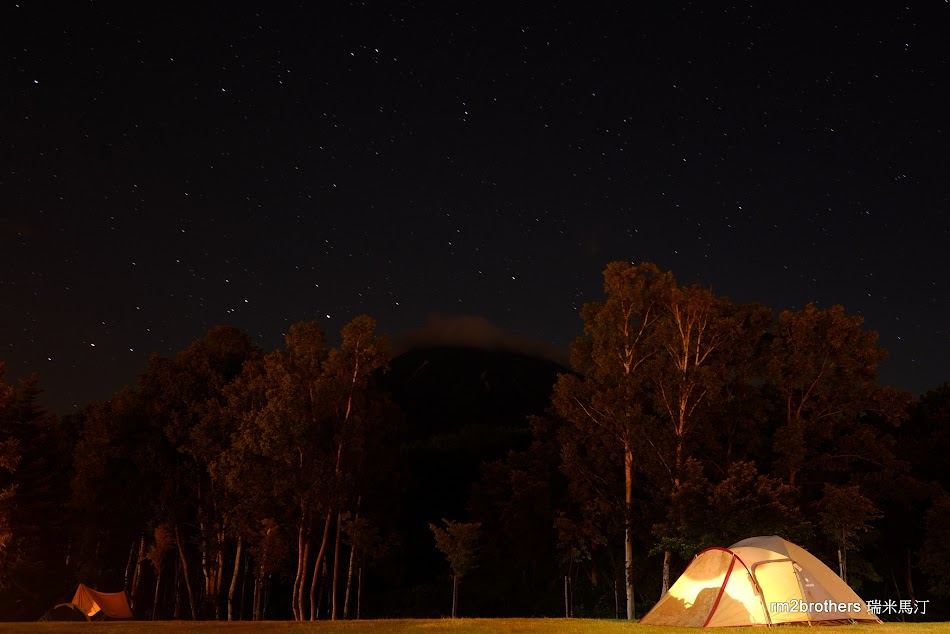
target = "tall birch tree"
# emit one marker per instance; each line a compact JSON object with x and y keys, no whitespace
{"x":604,"y":401}
{"x":346,"y":386}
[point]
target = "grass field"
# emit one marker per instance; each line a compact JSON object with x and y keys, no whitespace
{"x":433,"y":626}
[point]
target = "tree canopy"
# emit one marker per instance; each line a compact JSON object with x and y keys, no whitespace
{"x":308,"y":481}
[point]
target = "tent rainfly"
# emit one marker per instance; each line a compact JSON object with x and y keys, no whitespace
{"x":113,"y":605}
{"x":758,"y":581}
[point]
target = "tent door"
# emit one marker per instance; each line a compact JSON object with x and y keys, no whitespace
{"x":781,"y":591}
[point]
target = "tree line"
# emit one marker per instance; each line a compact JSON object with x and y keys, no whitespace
{"x":233,"y":483}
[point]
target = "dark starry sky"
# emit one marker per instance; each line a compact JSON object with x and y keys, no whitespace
{"x":168,"y":167}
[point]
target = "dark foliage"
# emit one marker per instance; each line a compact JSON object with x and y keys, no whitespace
{"x":217,"y":478}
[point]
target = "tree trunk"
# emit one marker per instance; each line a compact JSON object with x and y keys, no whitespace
{"x":667,"y":557}
{"x":132,"y":586}
{"x":570,"y":596}
{"x":158,"y":583}
{"x":567,"y":612}
{"x":137,"y":575}
{"x":308,"y":539}
{"x":265,"y":591}
{"x":234,"y":578}
{"x":349,"y":570}
{"x":205,"y":572}
{"x":455,"y":596}
{"x":316,"y":566}
{"x":217,"y":574}
{"x":219,"y":577}
{"x":301,"y":568}
{"x":336,"y":567}
{"x":241,"y":616}
{"x":359,"y":588}
{"x":628,"y":528}
{"x":258,"y":591}
{"x":184,"y":571}
{"x":258,"y":612}
{"x":176,"y":614}
{"x":128,"y":568}
{"x":349,"y":583}
{"x":255,"y":601}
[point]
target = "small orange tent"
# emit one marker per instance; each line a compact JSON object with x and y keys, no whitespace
{"x":758,"y":581}
{"x":113,"y":605}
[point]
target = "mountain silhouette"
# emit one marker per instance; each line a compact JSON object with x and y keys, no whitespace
{"x":462,"y":406}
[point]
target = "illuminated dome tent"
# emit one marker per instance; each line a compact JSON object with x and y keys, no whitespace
{"x":758,"y":581}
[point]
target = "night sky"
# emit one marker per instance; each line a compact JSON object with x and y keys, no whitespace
{"x":166,"y":167}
